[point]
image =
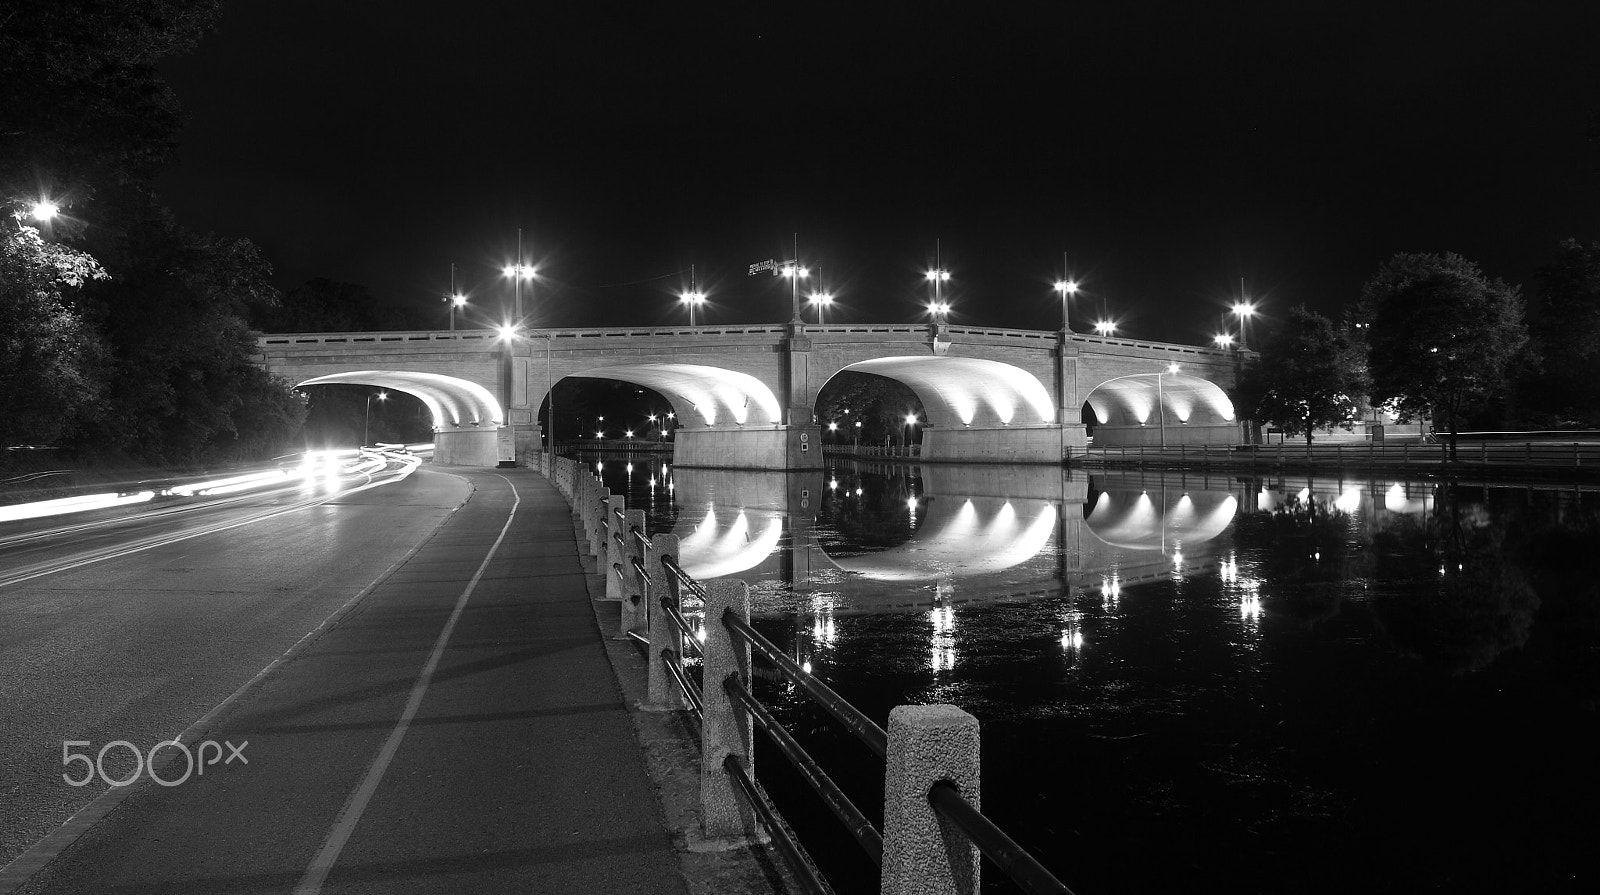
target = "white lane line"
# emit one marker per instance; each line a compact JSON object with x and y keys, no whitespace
{"x":322,"y":864}
{"x":42,"y":852}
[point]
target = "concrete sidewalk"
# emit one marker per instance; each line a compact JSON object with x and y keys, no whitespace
{"x":515,"y":766}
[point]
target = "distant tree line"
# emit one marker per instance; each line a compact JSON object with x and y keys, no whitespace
{"x":121,"y":330}
{"x":1432,"y":337}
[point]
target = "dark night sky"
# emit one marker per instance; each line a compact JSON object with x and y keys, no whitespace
{"x":1168,"y":149}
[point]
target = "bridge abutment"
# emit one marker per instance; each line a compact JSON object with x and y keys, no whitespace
{"x":1169,"y":435}
{"x":1001,"y":444}
{"x":467,"y":447}
{"x":771,"y":447}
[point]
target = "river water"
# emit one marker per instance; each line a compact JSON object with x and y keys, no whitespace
{"x":1265,"y":685}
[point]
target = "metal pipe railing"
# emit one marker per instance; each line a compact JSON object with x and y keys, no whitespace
{"x":802,"y":869}
{"x":1006,"y":854}
{"x":679,"y":578}
{"x":861,"y":829}
{"x":851,"y":717}
{"x":670,"y":606}
{"x":690,"y":691}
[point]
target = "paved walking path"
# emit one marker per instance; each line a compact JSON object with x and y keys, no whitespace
{"x":459,"y":730}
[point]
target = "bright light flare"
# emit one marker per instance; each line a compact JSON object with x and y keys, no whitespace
{"x":63,"y":505}
{"x":45,"y":210}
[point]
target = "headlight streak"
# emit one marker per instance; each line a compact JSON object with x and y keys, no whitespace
{"x":404,"y":466}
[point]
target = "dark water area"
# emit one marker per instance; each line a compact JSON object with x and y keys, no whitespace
{"x":1265,"y":685}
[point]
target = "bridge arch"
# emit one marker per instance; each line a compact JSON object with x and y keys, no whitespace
{"x":1162,"y":407}
{"x":702,"y":395}
{"x":466,"y":416}
{"x":454,"y":403}
{"x":967,"y":391}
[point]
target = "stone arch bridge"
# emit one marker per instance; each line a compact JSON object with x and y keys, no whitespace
{"x":745,"y":395}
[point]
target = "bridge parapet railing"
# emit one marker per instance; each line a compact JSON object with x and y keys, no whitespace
{"x":933,"y":830}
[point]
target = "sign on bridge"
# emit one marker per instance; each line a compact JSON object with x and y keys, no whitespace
{"x":759,"y":266}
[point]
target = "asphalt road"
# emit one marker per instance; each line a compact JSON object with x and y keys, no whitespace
{"x":417,"y":675}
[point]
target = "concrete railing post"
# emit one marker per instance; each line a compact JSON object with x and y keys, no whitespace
{"x":614,"y":551}
{"x":661,"y":691}
{"x":632,"y":615}
{"x":922,"y":855}
{"x":725,"y":729}
{"x":585,"y":498}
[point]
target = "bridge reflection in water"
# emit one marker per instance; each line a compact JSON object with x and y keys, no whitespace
{"x":865,"y":537}
{"x":823,"y":541}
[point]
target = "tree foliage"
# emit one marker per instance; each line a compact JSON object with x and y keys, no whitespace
{"x":1564,"y":326}
{"x":158,"y":354}
{"x":183,"y":353}
{"x":83,"y":102}
{"x":1312,"y":376}
{"x":1444,"y":339}
{"x":51,"y":359}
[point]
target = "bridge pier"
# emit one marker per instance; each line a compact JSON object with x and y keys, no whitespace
{"x":476,"y":446}
{"x":768,"y":447}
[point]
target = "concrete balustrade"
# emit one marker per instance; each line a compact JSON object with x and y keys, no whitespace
{"x":921,"y":856}
{"x":631,"y":618}
{"x":661,"y":691}
{"x":615,"y":528}
{"x":725,"y":726}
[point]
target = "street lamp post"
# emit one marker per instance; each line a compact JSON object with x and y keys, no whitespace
{"x":366,"y":429}
{"x":550,"y":406}
{"x":821,"y":300}
{"x":692,"y":298}
{"x":455,"y":298}
{"x":518,"y":272}
{"x":795,"y":273}
{"x":1244,"y":310}
{"x":1105,"y":327}
{"x":938,"y":276}
{"x":1161,"y":405}
{"x":1067,"y":288}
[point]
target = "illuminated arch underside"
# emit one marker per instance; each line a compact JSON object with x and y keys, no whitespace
{"x":454,"y":403}
{"x":967,"y":390}
{"x":1133,"y":401}
{"x":717,"y":548}
{"x":713,"y":395}
{"x":1136,"y":522}
{"x":963,"y":542}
